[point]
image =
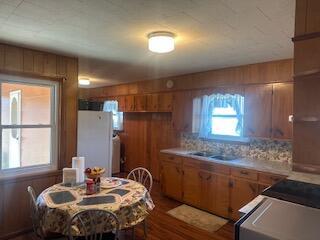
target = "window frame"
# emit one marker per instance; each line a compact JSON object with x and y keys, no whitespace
{"x":228,"y":138}
{"x":54,"y":125}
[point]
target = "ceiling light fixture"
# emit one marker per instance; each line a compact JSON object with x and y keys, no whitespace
{"x":161,"y":42}
{"x":84,"y":81}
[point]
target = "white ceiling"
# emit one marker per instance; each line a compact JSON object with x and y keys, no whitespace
{"x":109,"y":36}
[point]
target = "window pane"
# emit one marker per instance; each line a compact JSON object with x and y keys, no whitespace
{"x":225,"y":126}
{"x":25,"y":104}
{"x":224,"y":111}
{"x":25,"y":147}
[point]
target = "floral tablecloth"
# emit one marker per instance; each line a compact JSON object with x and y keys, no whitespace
{"x":133,"y":209}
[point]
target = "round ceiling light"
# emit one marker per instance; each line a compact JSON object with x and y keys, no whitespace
{"x":161,"y":42}
{"x":84,"y":81}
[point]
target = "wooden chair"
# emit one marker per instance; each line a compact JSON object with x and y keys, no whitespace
{"x":88,"y":222}
{"x":144,"y":177}
{"x":36,"y":220}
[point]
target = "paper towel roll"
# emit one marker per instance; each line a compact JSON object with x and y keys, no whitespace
{"x":79,"y":163}
{"x":70,"y":175}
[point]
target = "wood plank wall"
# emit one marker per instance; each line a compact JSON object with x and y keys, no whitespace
{"x":268,"y":72}
{"x":145,"y":134}
{"x":14,"y":201}
{"x":306,"y":141}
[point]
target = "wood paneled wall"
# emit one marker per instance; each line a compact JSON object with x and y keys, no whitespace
{"x":268,"y":72}
{"x":306,"y":107}
{"x":145,"y":134}
{"x":14,"y":200}
{"x":43,"y":65}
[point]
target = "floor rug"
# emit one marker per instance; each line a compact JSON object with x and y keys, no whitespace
{"x":198,"y":218}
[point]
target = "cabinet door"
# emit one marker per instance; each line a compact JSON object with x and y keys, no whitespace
{"x":257,"y":112}
{"x":171,"y":180}
{"x":208,"y":190}
{"x":182,"y":111}
{"x":192,"y":185}
{"x":121,"y":103}
{"x":140,"y":103}
{"x":152,"y":102}
{"x":165,"y":101}
{"x":222,"y":196}
{"x":282,"y":107}
{"x":129,"y":103}
{"x":242,"y":192}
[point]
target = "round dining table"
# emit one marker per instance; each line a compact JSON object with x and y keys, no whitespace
{"x":129,"y":200}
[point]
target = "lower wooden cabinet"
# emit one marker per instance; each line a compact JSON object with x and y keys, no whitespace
{"x":222,"y":199}
{"x":171,"y":180}
{"x":223,"y":193}
{"x":241,"y":193}
{"x":192,"y":190}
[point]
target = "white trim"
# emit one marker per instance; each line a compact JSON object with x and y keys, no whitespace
{"x":52,"y":125}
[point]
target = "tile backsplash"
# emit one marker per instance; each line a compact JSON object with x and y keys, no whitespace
{"x":259,"y":149}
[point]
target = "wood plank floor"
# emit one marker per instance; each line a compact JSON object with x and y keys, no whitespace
{"x":162,"y":226}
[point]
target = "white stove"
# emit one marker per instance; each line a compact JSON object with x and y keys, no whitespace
{"x":289,"y":212}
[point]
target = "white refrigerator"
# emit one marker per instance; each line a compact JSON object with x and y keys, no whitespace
{"x":95,"y":139}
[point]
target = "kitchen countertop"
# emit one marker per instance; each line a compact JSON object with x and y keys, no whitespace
{"x":274,"y":167}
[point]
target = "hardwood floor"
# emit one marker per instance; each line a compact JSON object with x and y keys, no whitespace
{"x":162,"y":226}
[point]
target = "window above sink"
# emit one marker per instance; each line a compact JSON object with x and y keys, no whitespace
{"x":219,"y":117}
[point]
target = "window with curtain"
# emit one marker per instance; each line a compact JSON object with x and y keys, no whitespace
{"x":117,"y":117}
{"x":218,"y":115}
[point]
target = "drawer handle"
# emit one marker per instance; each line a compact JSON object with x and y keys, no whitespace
{"x":244,"y":172}
{"x":177,"y":169}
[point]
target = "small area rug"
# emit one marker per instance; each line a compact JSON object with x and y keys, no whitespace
{"x":198,"y":218}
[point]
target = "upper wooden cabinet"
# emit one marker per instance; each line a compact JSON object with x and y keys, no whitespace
{"x":258,"y":109}
{"x":140,"y":103}
{"x":152,"y":102}
{"x":129,"y":103}
{"x":282,"y":108}
{"x":182,"y":111}
{"x":121,"y":103}
{"x":165,"y":101}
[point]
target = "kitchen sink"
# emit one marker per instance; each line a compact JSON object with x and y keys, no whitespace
{"x":214,"y":156}
{"x":203,"y":154}
{"x":223,"y":157}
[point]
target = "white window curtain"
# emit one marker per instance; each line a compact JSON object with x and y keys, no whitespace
{"x":196,"y":115}
{"x":236,"y":101}
{"x":112,"y":106}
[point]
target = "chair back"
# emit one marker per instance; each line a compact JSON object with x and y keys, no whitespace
{"x":35,"y":217}
{"x":91,"y":224}
{"x":142,"y":176}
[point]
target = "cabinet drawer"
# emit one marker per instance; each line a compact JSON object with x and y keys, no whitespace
{"x":244,"y":173}
{"x":191,"y":162}
{"x":170,"y":158}
{"x":216,"y":168}
{"x":269,"y":178}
